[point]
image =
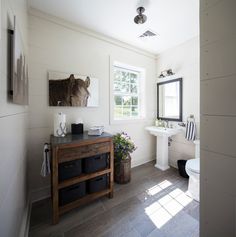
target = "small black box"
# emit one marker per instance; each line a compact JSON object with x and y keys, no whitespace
{"x":72,"y":193}
{"x":95,"y":163}
{"x":97,"y":184}
{"x":69,"y":170}
{"x":77,"y":128}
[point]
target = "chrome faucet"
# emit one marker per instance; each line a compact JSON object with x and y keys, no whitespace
{"x":166,"y":124}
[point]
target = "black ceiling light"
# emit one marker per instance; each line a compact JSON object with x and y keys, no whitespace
{"x":140,"y":18}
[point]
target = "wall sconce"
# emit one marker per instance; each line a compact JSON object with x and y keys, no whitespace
{"x":166,"y":73}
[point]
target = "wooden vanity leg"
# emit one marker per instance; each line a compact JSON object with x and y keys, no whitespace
{"x":110,"y":195}
{"x":55,"y":203}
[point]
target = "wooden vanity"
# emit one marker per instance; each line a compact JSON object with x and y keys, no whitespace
{"x":73,"y":148}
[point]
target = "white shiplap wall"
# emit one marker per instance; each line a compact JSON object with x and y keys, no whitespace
{"x":13,"y":132}
{"x":69,"y":48}
{"x":218,"y":118}
{"x":184,"y":61}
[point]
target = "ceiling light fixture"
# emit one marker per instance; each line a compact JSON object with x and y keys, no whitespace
{"x":140,"y":18}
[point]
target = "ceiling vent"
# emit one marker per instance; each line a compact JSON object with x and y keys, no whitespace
{"x":147,"y":33}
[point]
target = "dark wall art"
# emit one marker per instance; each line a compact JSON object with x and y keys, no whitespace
{"x":72,"y":90}
{"x":18,"y":68}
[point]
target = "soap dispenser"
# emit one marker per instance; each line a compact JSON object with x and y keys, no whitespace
{"x":156,"y":122}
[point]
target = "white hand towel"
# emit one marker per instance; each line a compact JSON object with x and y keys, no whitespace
{"x":190,"y":131}
{"x":46,"y":170}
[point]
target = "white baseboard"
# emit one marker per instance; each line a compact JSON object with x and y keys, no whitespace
{"x":34,"y":196}
{"x":25,"y":223}
{"x":40,"y":194}
{"x":45,"y":192}
{"x":139,"y":162}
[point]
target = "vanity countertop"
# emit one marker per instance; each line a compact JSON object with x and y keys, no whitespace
{"x":76,"y":138}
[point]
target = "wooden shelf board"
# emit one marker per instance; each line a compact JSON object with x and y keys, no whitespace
{"x":83,"y":200}
{"x":82,"y":178}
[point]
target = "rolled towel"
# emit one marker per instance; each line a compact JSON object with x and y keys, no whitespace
{"x":46,"y":170}
{"x":190,"y":131}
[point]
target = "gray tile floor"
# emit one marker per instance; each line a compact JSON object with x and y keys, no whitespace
{"x":153,"y":204}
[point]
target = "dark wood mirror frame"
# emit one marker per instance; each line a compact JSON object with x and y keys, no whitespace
{"x":180,"y":80}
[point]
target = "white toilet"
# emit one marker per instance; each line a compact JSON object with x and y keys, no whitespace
{"x":193,"y":170}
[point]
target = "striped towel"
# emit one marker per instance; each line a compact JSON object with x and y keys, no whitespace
{"x":45,"y":170}
{"x":190,"y":131}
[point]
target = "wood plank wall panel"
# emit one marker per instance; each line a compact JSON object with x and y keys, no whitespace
{"x":218,"y":118}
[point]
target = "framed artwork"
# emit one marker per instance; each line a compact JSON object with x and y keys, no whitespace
{"x":19,"y":73}
{"x":66,"y":89}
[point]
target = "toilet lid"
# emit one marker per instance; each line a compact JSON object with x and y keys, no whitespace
{"x":194,"y":165}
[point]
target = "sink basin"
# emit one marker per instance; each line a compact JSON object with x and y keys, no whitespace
{"x":162,"y":135}
{"x":160,"y":131}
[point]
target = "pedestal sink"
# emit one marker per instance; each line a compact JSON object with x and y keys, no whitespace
{"x":162,"y":135}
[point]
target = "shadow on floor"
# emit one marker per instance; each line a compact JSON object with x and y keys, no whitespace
{"x":154,"y":203}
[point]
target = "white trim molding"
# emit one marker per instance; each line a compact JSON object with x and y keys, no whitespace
{"x":75,"y":27}
{"x":142,"y":101}
{"x":40,"y":194}
{"x":25,"y":223}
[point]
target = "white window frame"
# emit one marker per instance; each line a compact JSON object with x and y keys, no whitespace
{"x":141,"y":93}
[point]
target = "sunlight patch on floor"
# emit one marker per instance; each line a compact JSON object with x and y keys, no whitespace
{"x":158,"y":188}
{"x":160,"y":217}
{"x":164,"y":209}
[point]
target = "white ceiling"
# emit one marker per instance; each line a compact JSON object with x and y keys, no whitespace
{"x":175,"y":21}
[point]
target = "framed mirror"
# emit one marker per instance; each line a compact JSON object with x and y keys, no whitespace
{"x":170,"y":100}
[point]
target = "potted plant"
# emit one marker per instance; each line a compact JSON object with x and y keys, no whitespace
{"x":123,"y":147}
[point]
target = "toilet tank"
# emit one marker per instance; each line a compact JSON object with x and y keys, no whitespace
{"x":197,"y":148}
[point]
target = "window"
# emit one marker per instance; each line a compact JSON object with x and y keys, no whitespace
{"x":127,"y":93}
